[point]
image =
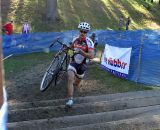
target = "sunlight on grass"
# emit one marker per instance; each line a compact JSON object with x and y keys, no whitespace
{"x":101,"y":14}
{"x":140,"y":9}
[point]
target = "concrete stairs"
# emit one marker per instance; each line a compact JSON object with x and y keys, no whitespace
{"x":122,"y":111}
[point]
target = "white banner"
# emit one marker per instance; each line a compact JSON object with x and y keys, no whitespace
{"x":116,"y":59}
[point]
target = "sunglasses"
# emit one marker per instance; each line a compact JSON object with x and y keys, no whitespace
{"x":82,"y":31}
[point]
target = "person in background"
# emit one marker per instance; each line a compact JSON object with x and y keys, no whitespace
{"x":8,"y":28}
{"x":84,"y":48}
{"x":94,"y":38}
{"x":8,"y":31}
{"x":121,"y":23}
{"x":25,"y":30}
{"x":128,"y":20}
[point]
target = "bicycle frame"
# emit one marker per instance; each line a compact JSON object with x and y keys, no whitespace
{"x":56,"y":70}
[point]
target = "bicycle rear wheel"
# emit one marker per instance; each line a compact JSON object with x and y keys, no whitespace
{"x":50,"y":74}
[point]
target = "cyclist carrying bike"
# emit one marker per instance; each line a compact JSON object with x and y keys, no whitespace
{"x":84,"y":48}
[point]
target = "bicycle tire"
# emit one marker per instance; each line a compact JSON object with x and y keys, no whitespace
{"x":49,"y":75}
{"x":62,"y":68}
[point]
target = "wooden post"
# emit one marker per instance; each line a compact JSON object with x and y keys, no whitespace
{"x":1,"y":77}
{"x":140,"y":56}
{"x":1,"y":64}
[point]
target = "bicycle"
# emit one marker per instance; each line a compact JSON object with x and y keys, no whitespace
{"x":57,"y":67}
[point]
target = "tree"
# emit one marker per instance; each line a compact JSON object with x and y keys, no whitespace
{"x":151,"y":1}
{"x":51,"y":10}
{"x":1,"y":68}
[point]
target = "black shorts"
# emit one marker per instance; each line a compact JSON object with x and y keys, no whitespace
{"x":79,"y":69}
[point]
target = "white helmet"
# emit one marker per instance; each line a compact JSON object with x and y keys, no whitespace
{"x":84,"y":26}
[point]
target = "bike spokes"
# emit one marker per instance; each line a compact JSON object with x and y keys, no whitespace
{"x":56,"y":70}
{"x":49,"y":74}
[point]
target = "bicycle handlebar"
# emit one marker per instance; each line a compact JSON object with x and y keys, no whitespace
{"x":65,"y":47}
{"x":61,"y":44}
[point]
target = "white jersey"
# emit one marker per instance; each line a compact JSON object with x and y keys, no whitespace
{"x":86,"y":44}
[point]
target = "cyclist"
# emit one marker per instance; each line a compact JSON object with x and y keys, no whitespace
{"x":84,"y":48}
{"x":95,"y":40}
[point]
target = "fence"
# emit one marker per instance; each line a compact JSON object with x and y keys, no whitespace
{"x":145,"y":57}
{"x":145,"y":61}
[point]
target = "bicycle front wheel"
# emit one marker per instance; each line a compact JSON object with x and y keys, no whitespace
{"x":50,"y":74}
{"x":62,"y":68}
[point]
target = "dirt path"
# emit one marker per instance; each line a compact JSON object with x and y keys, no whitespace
{"x":24,"y":86}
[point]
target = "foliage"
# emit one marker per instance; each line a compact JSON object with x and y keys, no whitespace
{"x":101,"y":14}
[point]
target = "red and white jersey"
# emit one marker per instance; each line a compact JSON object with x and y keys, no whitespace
{"x":84,"y":44}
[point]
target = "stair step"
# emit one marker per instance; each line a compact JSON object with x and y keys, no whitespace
{"x":78,"y":100}
{"x":89,"y":121}
{"x":141,"y":123}
{"x":78,"y":109}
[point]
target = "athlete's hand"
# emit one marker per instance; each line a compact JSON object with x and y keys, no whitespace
{"x":77,"y":51}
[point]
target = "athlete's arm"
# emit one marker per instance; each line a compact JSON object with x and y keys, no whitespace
{"x":89,"y":54}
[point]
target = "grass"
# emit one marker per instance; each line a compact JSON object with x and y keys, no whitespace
{"x":19,"y":63}
{"x":116,"y":84}
{"x":101,"y":14}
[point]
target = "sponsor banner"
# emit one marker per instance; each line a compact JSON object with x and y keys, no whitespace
{"x":116,"y":60}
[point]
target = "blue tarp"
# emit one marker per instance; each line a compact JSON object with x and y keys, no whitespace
{"x":145,"y":57}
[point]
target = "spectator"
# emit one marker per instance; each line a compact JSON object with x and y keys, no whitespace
{"x":121,"y":23}
{"x":128,"y":22}
{"x":25,"y":30}
{"x":8,"y":28}
{"x":94,"y":38}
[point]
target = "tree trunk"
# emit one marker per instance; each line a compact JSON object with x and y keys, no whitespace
{"x":1,"y":66}
{"x":51,"y":10}
{"x":151,"y":1}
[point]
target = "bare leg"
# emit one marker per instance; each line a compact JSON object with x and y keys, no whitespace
{"x":78,"y":82}
{"x":70,"y":87}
